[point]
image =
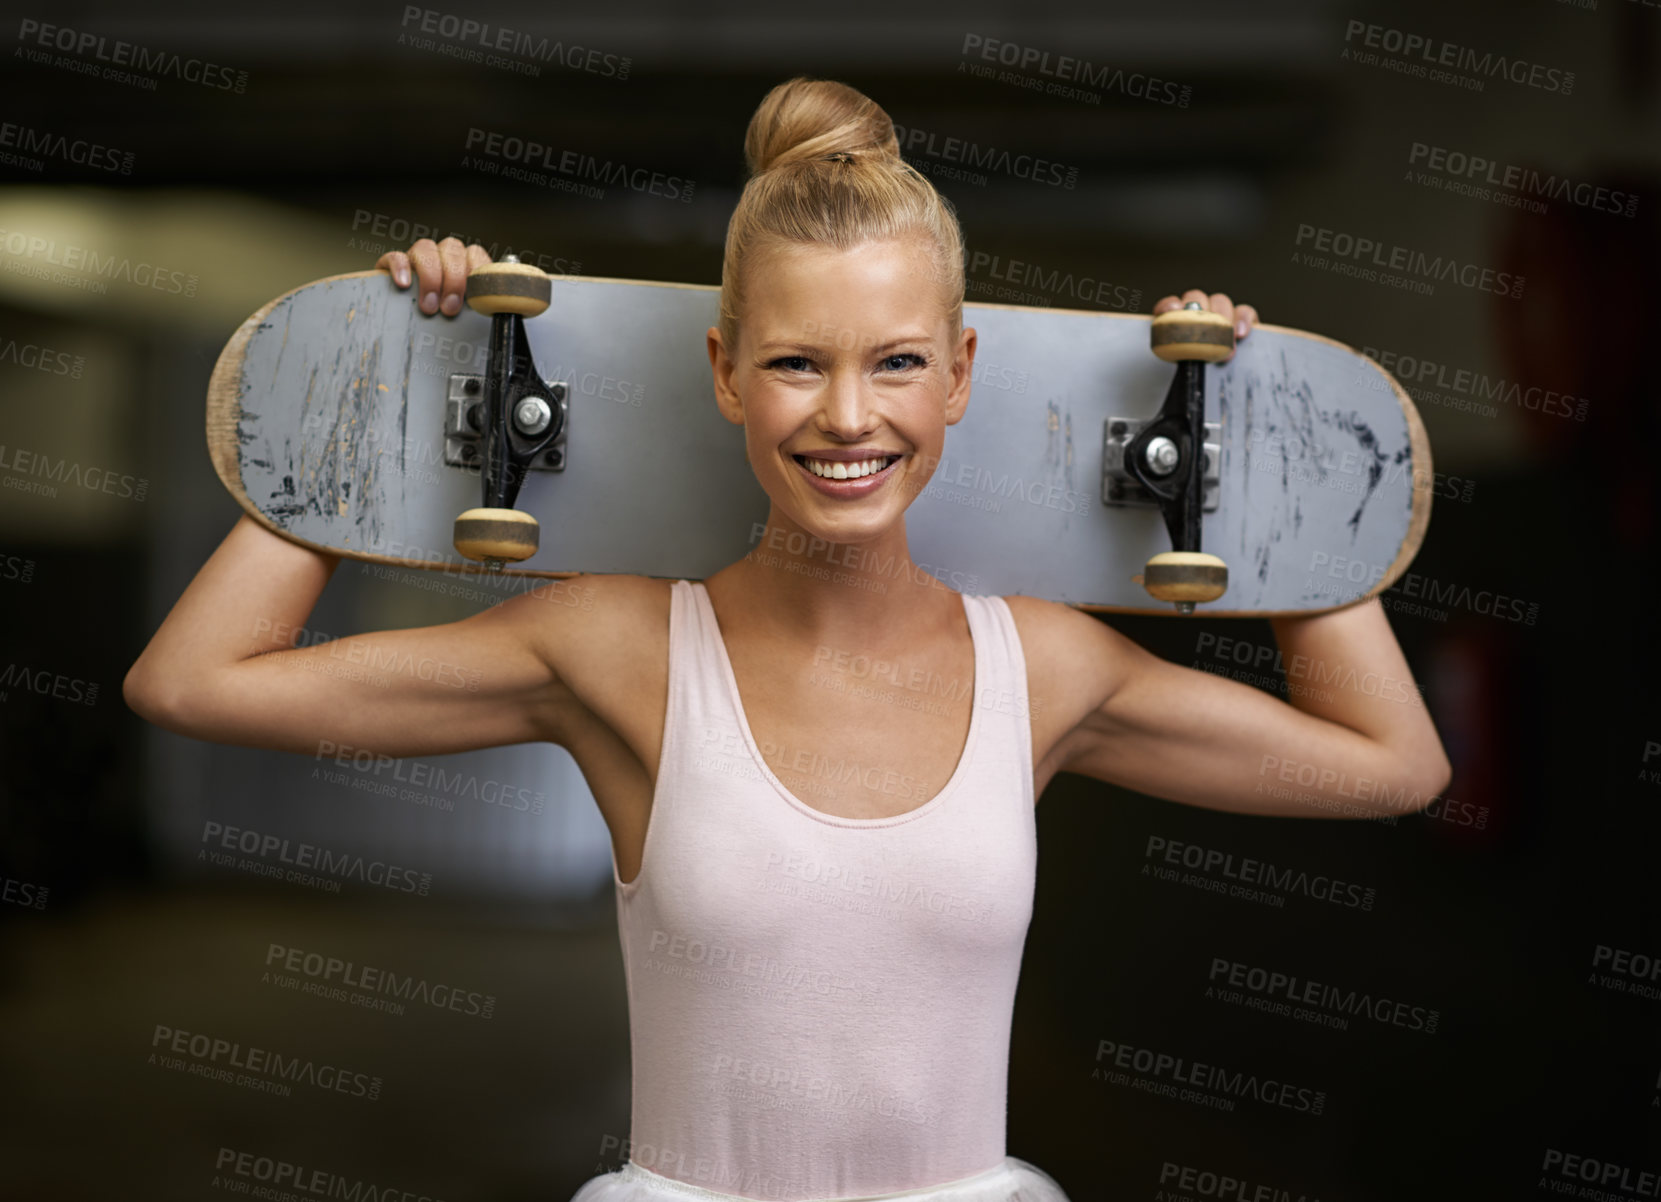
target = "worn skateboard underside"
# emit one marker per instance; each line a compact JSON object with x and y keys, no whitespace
{"x":325,"y":420}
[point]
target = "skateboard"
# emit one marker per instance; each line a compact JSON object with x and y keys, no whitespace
{"x":566,"y":424}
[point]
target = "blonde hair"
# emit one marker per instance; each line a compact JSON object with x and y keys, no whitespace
{"x":825,"y":169}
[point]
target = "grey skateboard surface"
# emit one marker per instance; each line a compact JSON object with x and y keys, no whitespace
{"x":325,"y":419}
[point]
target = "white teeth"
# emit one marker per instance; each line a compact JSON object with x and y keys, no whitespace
{"x":844,"y":471}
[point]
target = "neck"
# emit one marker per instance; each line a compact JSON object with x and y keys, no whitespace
{"x":800,"y":586}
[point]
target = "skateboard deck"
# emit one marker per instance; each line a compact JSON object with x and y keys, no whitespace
{"x":326,"y":420}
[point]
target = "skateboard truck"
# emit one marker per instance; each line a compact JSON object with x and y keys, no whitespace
{"x":1170,"y":459}
{"x":520,"y":417}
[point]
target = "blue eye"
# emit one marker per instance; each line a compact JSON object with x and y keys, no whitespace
{"x":791,"y":363}
{"x":903,"y":361}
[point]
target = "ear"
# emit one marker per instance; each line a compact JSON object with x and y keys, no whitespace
{"x":721,"y":366}
{"x":962,"y":372}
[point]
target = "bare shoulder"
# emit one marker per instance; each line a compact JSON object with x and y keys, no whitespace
{"x":605,"y":637}
{"x":1056,"y":639}
{"x":1074,"y":662}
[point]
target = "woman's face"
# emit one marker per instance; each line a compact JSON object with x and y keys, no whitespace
{"x":839,"y":354}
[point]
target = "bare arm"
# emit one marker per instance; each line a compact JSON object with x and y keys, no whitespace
{"x":1355,"y":739}
{"x":222,"y":666}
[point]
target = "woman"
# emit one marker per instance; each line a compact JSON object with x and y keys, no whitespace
{"x":824,"y":873}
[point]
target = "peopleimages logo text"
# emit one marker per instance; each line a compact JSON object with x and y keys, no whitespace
{"x":513,"y":41}
{"x":1406,"y":259}
{"x":1440,"y":53}
{"x":1136,"y":84}
{"x":121,"y":53}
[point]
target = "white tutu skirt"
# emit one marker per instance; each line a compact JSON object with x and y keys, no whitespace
{"x":1012,"y":1181}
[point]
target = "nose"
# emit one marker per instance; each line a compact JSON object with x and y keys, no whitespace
{"x":846,"y":404}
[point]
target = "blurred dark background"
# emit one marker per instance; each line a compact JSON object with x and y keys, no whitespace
{"x":268,"y":147}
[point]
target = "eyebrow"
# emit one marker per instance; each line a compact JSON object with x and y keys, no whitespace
{"x":768,"y":347}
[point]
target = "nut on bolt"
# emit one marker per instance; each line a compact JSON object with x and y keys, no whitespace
{"x":532,"y":415}
{"x":1161,"y":456}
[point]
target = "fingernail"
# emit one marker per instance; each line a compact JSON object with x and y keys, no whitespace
{"x":1240,"y":328}
{"x":403,"y":277}
{"x":451,"y":305}
{"x":430,"y":301}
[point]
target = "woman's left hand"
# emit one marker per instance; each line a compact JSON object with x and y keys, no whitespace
{"x":1243,"y":316}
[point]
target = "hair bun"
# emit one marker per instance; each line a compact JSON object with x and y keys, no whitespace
{"x":825,"y":170}
{"x":805,"y":119}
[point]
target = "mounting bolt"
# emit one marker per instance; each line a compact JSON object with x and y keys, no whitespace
{"x":531,"y":416}
{"x":1194,"y":305}
{"x":1161,"y":456}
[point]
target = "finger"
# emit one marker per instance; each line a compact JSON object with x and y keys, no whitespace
{"x":1194,"y":294}
{"x":477,"y":257}
{"x":429,"y":271}
{"x":454,"y":257}
{"x":396,"y":262}
{"x":1245,"y":317}
{"x":1166,"y":304}
{"x":1222,"y":306}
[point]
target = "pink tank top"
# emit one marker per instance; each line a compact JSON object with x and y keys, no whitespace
{"x":820,"y":1006}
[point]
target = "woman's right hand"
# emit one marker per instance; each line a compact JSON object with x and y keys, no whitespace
{"x":440,"y":271}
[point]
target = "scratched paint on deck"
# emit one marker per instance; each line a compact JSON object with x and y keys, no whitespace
{"x":342,"y":443}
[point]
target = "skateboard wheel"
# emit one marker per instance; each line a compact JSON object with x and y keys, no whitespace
{"x":1185,"y":576}
{"x":1190,"y":334}
{"x":508,"y":288}
{"x":500,"y":534}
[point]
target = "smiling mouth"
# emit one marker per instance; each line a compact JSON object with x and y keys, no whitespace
{"x":827,"y":469}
